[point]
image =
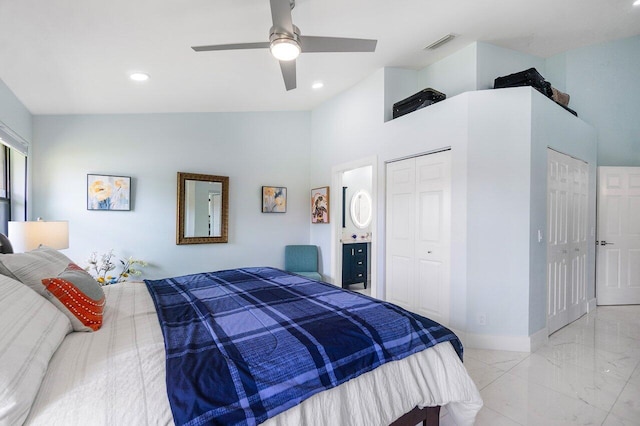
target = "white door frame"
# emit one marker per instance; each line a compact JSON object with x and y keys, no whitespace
{"x":614,"y":285}
{"x":336,"y":225}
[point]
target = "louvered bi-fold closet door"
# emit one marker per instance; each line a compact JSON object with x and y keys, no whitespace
{"x":567,"y":200}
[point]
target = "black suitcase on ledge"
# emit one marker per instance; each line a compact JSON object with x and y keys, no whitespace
{"x":530,"y":77}
{"x":421,"y":99}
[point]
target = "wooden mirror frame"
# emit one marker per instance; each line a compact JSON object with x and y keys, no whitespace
{"x":224,"y":180}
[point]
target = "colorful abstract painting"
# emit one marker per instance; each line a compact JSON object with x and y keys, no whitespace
{"x":106,"y":192}
{"x":274,"y":199}
{"x":320,"y":205}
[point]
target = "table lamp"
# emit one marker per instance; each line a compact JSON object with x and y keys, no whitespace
{"x":25,"y":236}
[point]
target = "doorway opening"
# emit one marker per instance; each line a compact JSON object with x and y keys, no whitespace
{"x":358,"y":177}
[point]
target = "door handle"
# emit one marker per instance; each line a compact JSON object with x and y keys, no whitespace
{"x":604,"y":243}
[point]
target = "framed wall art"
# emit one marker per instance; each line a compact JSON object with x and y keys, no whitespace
{"x":105,"y":192}
{"x":274,"y":199}
{"x":320,"y":205}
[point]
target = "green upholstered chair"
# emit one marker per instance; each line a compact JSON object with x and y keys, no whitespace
{"x":302,"y":260}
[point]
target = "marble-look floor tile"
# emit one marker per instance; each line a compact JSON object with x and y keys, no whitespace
{"x":613,"y":420}
{"x":489,"y":417}
{"x":528,"y":403}
{"x":481,"y":373}
{"x":619,"y":366}
{"x":635,"y":377}
{"x":628,"y":404}
{"x":502,"y":360}
{"x":598,"y":389}
{"x":629,"y":314}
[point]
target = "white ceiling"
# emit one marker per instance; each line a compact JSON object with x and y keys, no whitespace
{"x":74,"y":56}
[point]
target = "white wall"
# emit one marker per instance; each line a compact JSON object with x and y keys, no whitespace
{"x":253,"y":149}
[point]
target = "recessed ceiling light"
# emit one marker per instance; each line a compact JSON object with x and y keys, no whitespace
{"x":139,"y":76}
{"x":319,"y":85}
{"x":636,"y":3}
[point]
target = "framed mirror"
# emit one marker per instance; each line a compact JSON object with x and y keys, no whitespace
{"x":361,"y":209}
{"x":203,"y":209}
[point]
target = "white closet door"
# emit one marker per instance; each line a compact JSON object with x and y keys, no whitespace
{"x":418,"y":234}
{"x":401,"y":188}
{"x":618,"y":252}
{"x":567,"y":193}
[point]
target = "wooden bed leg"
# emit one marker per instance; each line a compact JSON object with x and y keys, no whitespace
{"x":429,"y":416}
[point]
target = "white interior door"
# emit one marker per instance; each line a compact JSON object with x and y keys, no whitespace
{"x":419,"y":233}
{"x":618,"y":252}
{"x":567,"y":201}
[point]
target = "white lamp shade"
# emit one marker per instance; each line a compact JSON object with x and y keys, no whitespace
{"x":25,"y":236}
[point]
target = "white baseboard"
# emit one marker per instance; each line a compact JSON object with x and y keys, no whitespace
{"x":505,"y":343}
{"x":591,"y":305}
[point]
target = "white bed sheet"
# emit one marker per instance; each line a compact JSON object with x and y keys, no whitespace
{"x":116,"y":376}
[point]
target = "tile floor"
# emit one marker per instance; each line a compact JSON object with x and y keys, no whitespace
{"x":587,"y":374}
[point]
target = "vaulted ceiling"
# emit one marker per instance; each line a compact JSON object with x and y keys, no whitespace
{"x":75,"y":56}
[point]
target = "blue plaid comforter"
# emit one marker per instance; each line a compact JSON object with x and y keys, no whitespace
{"x":246,"y":344}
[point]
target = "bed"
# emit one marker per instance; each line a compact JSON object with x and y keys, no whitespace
{"x":117,"y":375}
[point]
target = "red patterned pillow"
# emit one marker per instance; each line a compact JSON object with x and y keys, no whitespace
{"x":79,"y":296}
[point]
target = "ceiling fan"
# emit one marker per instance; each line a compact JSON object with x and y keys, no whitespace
{"x":286,"y":43}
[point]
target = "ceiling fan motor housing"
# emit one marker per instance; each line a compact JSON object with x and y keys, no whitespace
{"x":285,"y":46}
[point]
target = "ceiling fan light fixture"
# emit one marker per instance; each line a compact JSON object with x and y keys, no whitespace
{"x":285,"y":49}
{"x":139,"y":76}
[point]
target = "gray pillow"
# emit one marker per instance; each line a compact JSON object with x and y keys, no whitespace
{"x":31,"y":267}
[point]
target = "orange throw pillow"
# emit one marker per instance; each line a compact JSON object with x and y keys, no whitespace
{"x":78,"y":296}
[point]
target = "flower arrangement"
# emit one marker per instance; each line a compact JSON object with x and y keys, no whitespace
{"x":100,"y":269}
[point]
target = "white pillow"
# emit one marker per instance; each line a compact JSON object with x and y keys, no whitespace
{"x":31,"y":329}
{"x":31,"y":267}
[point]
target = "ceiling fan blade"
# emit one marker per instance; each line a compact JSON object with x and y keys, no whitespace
{"x":281,"y":15}
{"x":289,"y":74}
{"x":231,"y":46}
{"x":312,"y":44}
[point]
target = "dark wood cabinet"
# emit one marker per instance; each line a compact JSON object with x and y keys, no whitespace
{"x":354,"y":264}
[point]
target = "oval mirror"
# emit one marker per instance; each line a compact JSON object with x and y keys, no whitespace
{"x":203,"y":208}
{"x":361,"y":209}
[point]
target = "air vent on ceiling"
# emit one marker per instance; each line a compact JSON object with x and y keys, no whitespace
{"x":440,"y":42}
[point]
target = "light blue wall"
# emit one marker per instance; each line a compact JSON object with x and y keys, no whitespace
{"x":557,"y":129}
{"x":455,"y":74}
{"x":253,"y":149}
{"x":399,"y":83}
{"x":498,"y":206}
{"x":14,"y":114}
{"x":494,"y":61}
{"x":337,"y":140}
{"x":604,"y":84}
